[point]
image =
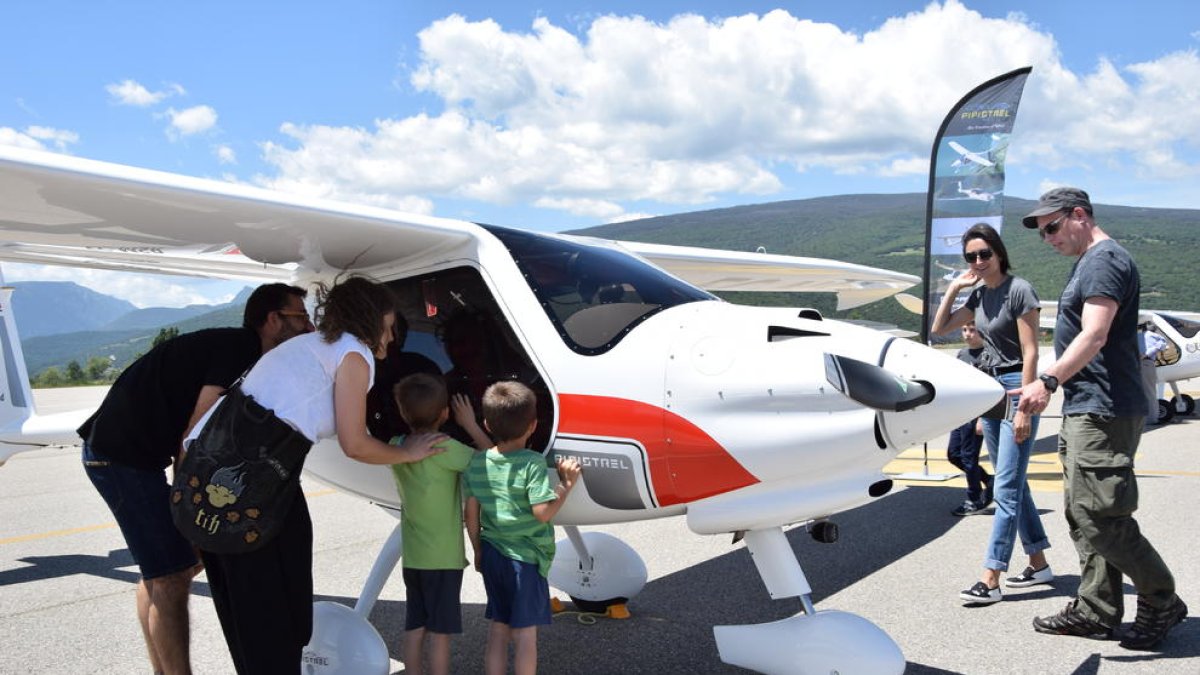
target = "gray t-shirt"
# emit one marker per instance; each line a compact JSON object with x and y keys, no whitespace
{"x":1110,"y":384}
{"x":996,"y":313}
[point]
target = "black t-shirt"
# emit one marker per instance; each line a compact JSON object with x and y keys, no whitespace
{"x":1111,"y":383}
{"x":383,"y":417}
{"x":142,"y":419}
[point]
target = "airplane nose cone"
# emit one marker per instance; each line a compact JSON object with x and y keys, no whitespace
{"x":960,"y":393}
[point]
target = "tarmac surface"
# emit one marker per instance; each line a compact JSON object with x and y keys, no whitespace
{"x":67,"y":581}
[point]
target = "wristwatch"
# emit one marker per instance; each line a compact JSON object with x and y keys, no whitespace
{"x":1050,"y":381}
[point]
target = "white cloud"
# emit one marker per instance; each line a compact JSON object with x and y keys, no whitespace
{"x":610,"y":211}
{"x":131,"y":92}
{"x":190,"y":121}
{"x":143,"y":290}
{"x":225,"y":154}
{"x":684,"y":111}
{"x":36,"y":137}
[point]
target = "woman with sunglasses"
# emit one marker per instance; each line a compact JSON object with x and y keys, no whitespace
{"x":1005,"y":310}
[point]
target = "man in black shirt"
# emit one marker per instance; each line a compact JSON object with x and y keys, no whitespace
{"x":137,"y":432}
{"x":1095,"y":338}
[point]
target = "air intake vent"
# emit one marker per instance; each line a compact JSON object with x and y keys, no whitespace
{"x":781,"y":333}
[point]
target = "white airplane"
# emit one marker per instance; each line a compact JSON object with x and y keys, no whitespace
{"x":1179,"y":360}
{"x":742,"y":420}
{"x":978,"y":195}
{"x":968,"y":157}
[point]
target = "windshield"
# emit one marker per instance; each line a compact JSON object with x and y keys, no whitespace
{"x":1186,"y":328}
{"x":593,"y":295}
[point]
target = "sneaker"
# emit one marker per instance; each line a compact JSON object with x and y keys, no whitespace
{"x":1071,"y":621}
{"x":1152,"y":625}
{"x":980,"y":594}
{"x":967,"y":508}
{"x":1030,"y":577}
{"x":989,"y":482}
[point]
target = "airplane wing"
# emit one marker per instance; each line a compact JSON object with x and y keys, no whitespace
{"x":57,"y":209}
{"x":718,"y":270}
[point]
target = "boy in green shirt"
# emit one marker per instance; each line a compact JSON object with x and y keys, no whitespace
{"x":509,"y":507}
{"x":431,"y":524}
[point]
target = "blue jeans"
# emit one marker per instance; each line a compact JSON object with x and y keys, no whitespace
{"x":963,"y":453}
{"x":1015,"y":511}
{"x":140,"y":502}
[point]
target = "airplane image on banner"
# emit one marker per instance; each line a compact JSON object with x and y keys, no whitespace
{"x":967,"y":158}
{"x":740,"y":420}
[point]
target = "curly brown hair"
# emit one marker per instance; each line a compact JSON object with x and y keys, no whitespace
{"x":356,"y":305}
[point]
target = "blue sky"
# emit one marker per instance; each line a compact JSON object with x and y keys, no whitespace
{"x":581,"y":113}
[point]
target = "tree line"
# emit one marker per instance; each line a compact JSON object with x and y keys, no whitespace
{"x":98,"y":370}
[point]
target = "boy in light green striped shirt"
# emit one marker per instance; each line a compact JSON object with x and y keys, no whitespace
{"x":509,"y":507}
{"x":431,"y":527}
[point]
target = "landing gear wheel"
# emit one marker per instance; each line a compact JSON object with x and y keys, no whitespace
{"x":1183,"y":404}
{"x":1166,"y":411}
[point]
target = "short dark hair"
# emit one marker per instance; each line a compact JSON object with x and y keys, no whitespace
{"x":509,"y":408}
{"x":989,"y":235}
{"x":266,"y":299}
{"x":356,"y":305}
{"x":421,"y":398}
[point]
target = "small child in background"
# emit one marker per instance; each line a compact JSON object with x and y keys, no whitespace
{"x":431,"y":525}
{"x":966,"y":440}
{"x":509,"y":508}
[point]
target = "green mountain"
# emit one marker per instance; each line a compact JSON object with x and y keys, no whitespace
{"x":54,"y":307}
{"x":888,"y":231}
{"x":121,"y":347}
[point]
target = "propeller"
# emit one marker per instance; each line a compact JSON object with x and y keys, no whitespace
{"x":875,"y":387}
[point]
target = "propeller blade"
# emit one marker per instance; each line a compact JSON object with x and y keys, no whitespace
{"x":875,"y":387}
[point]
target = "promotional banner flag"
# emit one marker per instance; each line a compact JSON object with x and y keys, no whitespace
{"x":966,"y":179}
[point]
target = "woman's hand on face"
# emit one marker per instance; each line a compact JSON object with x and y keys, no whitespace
{"x":965,"y":280}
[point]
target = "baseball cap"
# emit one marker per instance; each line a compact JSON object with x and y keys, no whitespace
{"x":1058,"y":199}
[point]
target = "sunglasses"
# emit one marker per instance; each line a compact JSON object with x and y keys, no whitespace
{"x":984,"y":254}
{"x":1054,"y":226}
{"x":292,"y":312}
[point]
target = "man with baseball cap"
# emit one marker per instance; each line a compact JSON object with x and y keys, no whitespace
{"x":1095,"y":340}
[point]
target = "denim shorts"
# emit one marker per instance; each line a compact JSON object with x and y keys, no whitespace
{"x":433,"y":600}
{"x":517,"y":594}
{"x":140,"y":501}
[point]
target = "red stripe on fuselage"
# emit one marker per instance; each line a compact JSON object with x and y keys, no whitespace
{"x":686,"y":464}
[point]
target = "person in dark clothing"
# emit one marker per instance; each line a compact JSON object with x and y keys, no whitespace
{"x":965,"y":442}
{"x":383,"y":417}
{"x":138,"y":432}
{"x":1104,"y":407}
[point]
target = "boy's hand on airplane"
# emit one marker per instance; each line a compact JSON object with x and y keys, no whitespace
{"x":568,"y":471}
{"x":464,"y":412}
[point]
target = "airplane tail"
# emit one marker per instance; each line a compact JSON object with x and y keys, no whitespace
{"x":16,"y":396}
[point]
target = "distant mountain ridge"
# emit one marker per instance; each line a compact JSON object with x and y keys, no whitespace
{"x":60,"y":322}
{"x":54,"y":307}
{"x":888,"y":231}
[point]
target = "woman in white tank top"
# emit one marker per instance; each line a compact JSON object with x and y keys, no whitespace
{"x":318,"y":383}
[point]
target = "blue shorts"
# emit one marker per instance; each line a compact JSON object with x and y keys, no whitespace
{"x":140,"y":501}
{"x":433,"y":600}
{"x":517,"y":594}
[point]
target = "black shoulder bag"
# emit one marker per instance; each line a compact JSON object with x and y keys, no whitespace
{"x":237,"y":480}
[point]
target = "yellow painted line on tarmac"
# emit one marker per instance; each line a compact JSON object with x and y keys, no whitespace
{"x":37,"y":536}
{"x":56,"y":533}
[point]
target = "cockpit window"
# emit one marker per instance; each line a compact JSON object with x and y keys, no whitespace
{"x":592,"y":294}
{"x":1186,"y":327}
